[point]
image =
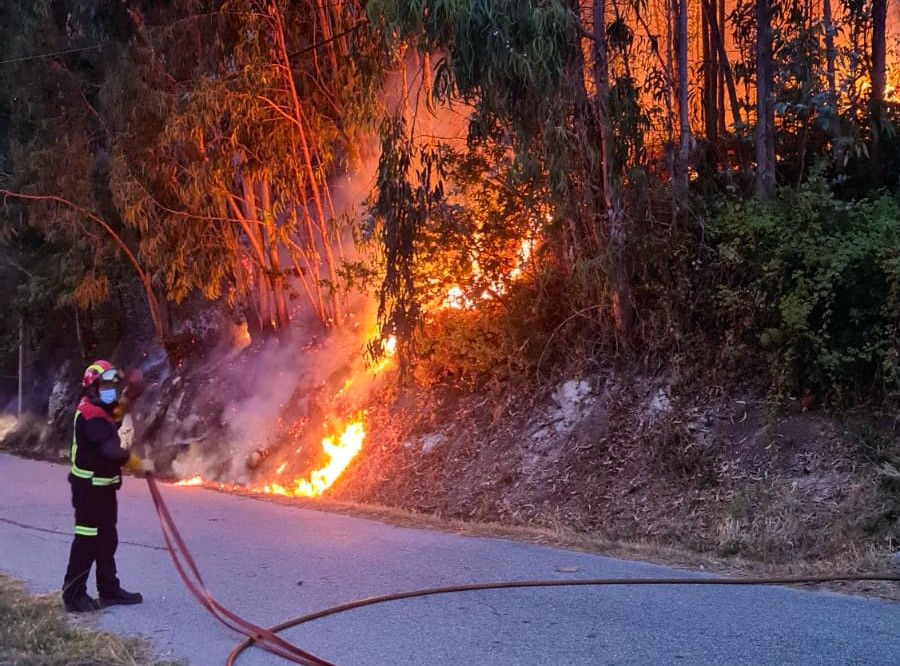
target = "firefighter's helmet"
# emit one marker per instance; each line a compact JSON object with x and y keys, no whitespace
{"x":97,"y":370}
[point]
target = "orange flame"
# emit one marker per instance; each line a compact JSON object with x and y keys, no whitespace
{"x":456,"y":298}
{"x":193,"y":481}
{"x":340,"y":452}
{"x":389,"y":350}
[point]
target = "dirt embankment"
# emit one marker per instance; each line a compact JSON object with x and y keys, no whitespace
{"x":614,"y":456}
{"x":627,"y":458}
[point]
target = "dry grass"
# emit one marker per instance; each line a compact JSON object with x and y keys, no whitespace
{"x":34,"y":631}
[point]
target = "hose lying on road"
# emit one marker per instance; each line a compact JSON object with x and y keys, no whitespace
{"x":269,"y":640}
{"x":193,"y":580}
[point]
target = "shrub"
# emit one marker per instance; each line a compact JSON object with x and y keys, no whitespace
{"x":816,"y":282}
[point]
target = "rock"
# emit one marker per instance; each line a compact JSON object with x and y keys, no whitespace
{"x":8,"y":423}
{"x":63,"y":397}
{"x":573,"y":399}
{"x":570,"y":394}
{"x":126,"y":432}
{"x":429,"y":442}
{"x":660,"y":403}
{"x":895,"y":560}
{"x":190,"y":426}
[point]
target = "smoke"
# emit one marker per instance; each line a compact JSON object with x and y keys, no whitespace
{"x":253,"y":394}
{"x":272,"y":402}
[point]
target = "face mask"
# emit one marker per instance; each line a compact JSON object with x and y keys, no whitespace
{"x":108,"y":396}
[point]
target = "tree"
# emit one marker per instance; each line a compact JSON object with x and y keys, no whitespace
{"x":681,"y":42}
{"x":876,"y":97}
{"x":765,"y":112}
{"x":232,"y":195}
{"x":612,"y":198}
{"x":57,"y":146}
{"x":829,"y":28}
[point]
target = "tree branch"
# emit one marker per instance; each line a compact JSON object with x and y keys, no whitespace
{"x":117,"y":239}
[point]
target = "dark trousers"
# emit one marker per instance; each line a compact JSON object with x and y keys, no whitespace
{"x":96,"y":539}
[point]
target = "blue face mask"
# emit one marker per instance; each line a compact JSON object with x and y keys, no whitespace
{"x":108,"y":396}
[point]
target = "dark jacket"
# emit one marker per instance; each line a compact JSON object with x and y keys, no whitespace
{"x":97,"y":454}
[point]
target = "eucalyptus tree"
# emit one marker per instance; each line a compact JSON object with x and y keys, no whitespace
{"x":231,"y":118}
{"x":876,"y":97}
{"x":523,"y":69}
{"x":765,"y":111}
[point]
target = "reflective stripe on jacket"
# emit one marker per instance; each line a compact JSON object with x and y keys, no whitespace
{"x":97,"y":461}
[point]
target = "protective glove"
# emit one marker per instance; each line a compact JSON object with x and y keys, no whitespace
{"x":138,"y":466}
{"x":134,"y":464}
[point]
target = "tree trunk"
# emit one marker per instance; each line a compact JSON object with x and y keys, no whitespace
{"x":710,"y":99}
{"x":254,"y":229}
{"x":720,"y":66}
{"x":615,"y":212}
{"x":681,"y":44}
{"x":718,"y":43}
{"x":300,"y":124}
{"x":876,"y":99}
{"x":829,"y":54}
{"x":21,"y":403}
{"x":276,"y":278}
{"x":765,"y":120}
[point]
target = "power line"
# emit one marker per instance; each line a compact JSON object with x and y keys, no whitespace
{"x":49,"y":55}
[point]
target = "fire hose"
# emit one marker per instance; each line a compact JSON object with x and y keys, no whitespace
{"x":269,"y":640}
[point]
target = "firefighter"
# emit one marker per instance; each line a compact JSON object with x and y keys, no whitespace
{"x":97,"y":460}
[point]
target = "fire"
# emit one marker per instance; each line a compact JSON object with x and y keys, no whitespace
{"x":388,"y":350}
{"x":343,"y":448}
{"x":341,"y":452}
{"x":193,"y":481}
{"x":456,"y":298}
{"x":390,"y":345}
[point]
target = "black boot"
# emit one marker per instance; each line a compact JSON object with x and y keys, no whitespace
{"x":82,"y":603}
{"x":121,"y":597}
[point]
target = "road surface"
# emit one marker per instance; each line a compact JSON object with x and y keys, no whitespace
{"x":271,"y":562}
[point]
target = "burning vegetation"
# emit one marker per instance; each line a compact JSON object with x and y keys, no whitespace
{"x":460,"y":195}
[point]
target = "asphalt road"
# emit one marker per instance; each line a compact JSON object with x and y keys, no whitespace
{"x":271,"y":562}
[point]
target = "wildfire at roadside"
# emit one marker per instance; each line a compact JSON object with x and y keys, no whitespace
{"x":342,"y":447}
{"x":193,"y":481}
{"x":341,"y":450}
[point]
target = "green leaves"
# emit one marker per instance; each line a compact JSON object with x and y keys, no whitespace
{"x":816,"y":281}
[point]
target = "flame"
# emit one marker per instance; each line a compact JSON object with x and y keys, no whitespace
{"x":341,"y":453}
{"x":456,"y":298}
{"x":390,"y":346}
{"x":388,"y":351}
{"x":193,"y":481}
